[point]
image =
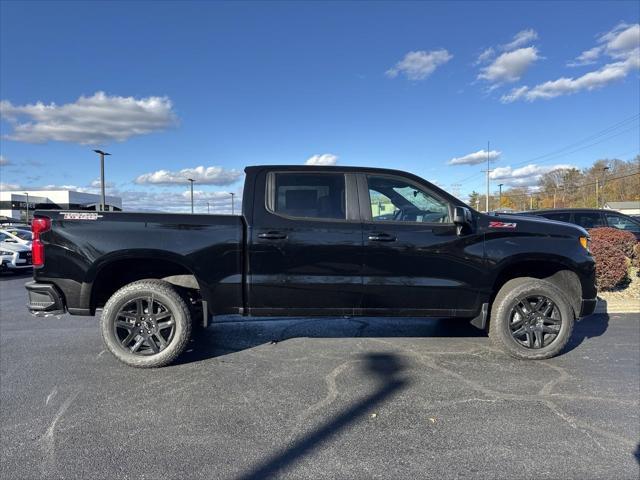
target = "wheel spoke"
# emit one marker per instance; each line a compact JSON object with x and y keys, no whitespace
{"x":150,"y":301}
{"x":130,"y":337}
{"x":518,"y":333}
{"x":128,"y":315}
{"x":551,"y":329}
{"x":549,"y":310}
{"x":152,"y":344}
{"x":539,"y":338}
{"x":167,"y":324}
{"x":125,"y":325}
{"x":517,"y":324}
{"x":136,"y":345}
{"x":139,"y":307}
{"x":530,"y":340}
{"x":162,"y":316}
{"x":527,"y":305}
{"x":161,"y":340}
{"x":520,"y":311}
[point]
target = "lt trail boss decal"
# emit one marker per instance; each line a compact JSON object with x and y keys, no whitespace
{"x":80,"y":216}
{"x":502,"y":225}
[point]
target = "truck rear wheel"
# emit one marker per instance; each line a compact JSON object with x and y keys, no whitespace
{"x":146,"y":324}
{"x":531,"y":319}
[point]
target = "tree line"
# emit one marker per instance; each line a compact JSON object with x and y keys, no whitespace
{"x":606,"y":180}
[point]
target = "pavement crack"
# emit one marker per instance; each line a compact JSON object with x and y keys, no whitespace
{"x":328,"y":399}
{"x":48,"y":439}
{"x":53,"y":393}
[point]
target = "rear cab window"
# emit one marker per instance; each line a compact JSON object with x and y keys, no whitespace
{"x":315,"y":195}
{"x":560,"y":217}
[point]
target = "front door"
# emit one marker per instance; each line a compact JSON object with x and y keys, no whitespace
{"x":415,"y":263}
{"x":305,"y":250}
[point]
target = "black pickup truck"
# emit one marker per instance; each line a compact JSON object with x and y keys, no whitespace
{"x":314,"y":241}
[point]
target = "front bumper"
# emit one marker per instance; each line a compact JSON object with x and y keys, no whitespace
{"x":44,"y":299}
{"x":588,"y":306}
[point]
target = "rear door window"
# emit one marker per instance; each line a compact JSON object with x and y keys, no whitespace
{"x":313,"y":196}
{"x":588,"y":219}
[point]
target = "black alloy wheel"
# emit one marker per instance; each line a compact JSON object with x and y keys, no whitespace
{"x":535,"y":321}
{"x":144,"y":326}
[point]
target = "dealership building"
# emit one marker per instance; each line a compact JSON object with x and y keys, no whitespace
{"x":13,"y":204}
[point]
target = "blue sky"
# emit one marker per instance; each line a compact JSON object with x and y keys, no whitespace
{"x":226,"y":85}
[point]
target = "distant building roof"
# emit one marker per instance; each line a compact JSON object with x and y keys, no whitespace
{"x":619,"y":205}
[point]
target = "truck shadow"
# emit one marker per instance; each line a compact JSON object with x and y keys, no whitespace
{"x":233,"y":333}
{"x":589,"y":327}
{"x":385,"y":368}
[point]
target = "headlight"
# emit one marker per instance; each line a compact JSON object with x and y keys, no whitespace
{"x":584,"y":241}
{"x":4,"y":252}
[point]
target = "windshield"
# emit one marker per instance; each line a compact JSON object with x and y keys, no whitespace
{"x":21,"y":234}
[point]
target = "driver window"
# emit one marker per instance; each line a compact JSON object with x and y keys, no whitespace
{"x":394,"y":199}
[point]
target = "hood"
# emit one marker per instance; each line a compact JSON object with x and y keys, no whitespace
{"x":14,"y":247}
{"x":535,"y":224}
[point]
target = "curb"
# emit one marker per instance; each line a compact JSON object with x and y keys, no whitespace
{"x":604,"y":306}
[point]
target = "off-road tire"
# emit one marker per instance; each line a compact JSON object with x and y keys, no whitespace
{"x":505,"y":301}
{"x":174,"y":301}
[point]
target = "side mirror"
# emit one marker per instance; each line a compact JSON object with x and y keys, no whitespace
{"x":463,"y":219}
{"x":461,"y":216}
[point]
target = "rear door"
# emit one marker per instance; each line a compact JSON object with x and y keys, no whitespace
{"x":305,"y":244}
{"x":415,"y":263}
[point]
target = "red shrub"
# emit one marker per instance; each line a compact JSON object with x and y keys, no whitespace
{"x":635,"y":260}
{"x":611,"y":249}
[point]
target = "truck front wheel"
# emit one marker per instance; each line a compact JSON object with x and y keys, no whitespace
{"x":146,"y":324}
{"x":531,"y":319}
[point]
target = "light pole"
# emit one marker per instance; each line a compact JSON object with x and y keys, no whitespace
{"x":500,"y":195}
{"x":208,"y":208}
{"x":233,"y":203}
{"x":27,"y":194}
{"x":191,"y":180}
{"x":604,"y":178}
{"x":103,"y":201}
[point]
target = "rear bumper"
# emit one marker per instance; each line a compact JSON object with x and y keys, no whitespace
{"x":588,"y":306}
{"x":44,"y":299}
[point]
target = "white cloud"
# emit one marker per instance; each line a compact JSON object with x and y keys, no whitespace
{"x":486,"y":55}
{"x":5,"y":187}
{"x":4,"y":160}
{"x":607,"y":74}
{"x":521,"y":38}
{"x":92,"y":120}
{"x":324,"y":159}
{"x":420,"y":64}
{"x":202,"y":175}
{"x":528,"y":175}
{"x":475,"y":158}
{"x":620,"y":43}
{"x":509,"y":66}
{"x":96,"y":184}
{"x":588,"y":57}
{"x":179,"y":202}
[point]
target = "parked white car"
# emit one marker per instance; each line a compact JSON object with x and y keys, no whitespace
{"x":14,"y":256}
{"x":16,"y":235}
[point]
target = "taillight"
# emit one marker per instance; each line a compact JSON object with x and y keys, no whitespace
{"x":38,"y":226}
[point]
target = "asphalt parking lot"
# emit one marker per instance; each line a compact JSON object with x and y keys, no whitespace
{"x":302,"y":398}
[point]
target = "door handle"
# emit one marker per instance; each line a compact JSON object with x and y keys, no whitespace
{"x":272,"y":236}
{"x":381,"y":237}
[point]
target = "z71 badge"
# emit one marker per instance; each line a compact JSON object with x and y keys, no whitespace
{"x":80,"y":216}
{"x":502,"y":225}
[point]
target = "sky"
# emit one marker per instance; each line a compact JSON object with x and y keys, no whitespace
{"x":204,"y":89}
